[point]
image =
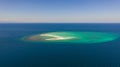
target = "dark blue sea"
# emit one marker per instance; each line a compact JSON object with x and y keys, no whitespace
{"x":15,"y":52}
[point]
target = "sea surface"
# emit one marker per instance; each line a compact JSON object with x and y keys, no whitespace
{"x":15,"y":52}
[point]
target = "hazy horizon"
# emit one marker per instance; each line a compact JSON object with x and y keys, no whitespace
{"x":57,"y":11}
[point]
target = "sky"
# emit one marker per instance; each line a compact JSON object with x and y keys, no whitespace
{"x":59,"y":10}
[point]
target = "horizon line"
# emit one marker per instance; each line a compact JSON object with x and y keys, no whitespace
{"x":61,"y":22}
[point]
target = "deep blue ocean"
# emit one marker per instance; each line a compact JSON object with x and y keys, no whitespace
{"x":15,"y":52}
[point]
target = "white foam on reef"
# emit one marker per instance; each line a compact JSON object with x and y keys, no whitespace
{"x":56,"y":37}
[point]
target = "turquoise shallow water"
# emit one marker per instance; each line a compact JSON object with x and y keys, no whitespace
{"x":15,"y":52}
{"x":73,"y":37}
